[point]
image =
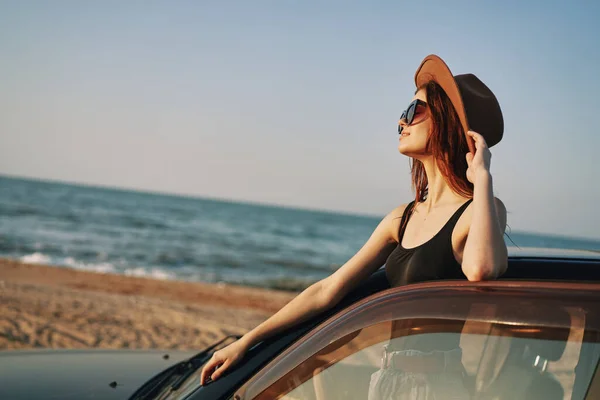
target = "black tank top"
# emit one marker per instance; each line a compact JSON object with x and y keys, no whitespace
{"x":432,"y":260}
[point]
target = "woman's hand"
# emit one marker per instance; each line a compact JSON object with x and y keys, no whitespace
{"x":222,"y":360}
{"x":478,"y":164}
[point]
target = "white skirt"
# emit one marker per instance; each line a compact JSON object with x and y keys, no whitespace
{"x":394,"y":384}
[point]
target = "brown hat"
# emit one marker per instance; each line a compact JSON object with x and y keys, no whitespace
{"x":474,"y":102}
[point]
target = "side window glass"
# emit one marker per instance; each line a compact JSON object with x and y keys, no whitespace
{"x":485,"y":355}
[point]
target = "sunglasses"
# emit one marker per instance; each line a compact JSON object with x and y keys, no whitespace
{"x":416,"y":110}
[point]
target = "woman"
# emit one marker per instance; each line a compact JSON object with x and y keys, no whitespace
{"x":454,"y":227}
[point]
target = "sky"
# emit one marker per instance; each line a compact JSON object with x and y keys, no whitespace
{"x":296,"y":102}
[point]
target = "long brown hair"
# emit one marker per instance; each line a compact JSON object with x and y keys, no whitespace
{"x":446,"y":143}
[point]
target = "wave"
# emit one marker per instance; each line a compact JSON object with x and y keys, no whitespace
{"x":155,"y":273}
{"x":45,"y":259}
{"x":41,"y":258}
{"x":36,"y":258}
{"x":104,"y":267}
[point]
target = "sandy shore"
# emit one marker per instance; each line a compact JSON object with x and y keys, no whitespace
{"x":43,"y":306}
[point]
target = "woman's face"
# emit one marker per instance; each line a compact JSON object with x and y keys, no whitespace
{"x":413,"y":140}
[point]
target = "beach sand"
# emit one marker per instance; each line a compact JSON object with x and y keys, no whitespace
{"x":53,"y":307}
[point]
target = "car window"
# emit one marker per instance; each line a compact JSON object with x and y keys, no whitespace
{"x":491,"y":349}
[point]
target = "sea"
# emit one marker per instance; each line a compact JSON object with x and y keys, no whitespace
{"x":188,"y":238}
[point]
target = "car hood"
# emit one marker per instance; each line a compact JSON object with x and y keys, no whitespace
{"x":80,"y":374}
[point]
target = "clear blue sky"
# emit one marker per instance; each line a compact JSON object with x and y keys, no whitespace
{"x":296,"y":102}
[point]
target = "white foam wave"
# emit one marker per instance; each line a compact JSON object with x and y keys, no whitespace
{"x":155,"y":273}
{"x":36,"y":258}
{"x":104,"y":268}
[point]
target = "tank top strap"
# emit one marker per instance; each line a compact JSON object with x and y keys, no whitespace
{"x":404,"y":220}
{"x":455,"y":217}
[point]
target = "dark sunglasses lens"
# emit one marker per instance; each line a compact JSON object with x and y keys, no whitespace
{"x":420,"y":113}
{"x":399,"y":129}
{"x":410,"y":113}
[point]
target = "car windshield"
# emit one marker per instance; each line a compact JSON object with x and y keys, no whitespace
{"x":498,"y":349}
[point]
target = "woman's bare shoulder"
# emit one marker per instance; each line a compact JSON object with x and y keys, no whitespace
{"x":398,"y":211}
{"x":464,"y":222}
{"x":393,"y":219}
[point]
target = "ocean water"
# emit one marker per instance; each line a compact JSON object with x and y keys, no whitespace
{"x":186,"y":238}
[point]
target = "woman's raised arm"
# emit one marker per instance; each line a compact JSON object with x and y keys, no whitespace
{"x":485,"y":255}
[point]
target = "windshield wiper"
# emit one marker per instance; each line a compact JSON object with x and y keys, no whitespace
{"x":177,"y":373}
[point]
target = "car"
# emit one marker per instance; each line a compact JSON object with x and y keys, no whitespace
{"x":534,"y":333}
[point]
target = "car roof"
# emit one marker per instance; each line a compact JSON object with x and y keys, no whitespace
{"x":553,"y":265}
{"x":540,"y":252}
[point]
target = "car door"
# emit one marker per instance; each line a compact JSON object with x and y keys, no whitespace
{"x":492,"y":340}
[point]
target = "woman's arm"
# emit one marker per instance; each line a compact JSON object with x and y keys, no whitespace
{"x":484,"y":255}
{"x":317,"y":298}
